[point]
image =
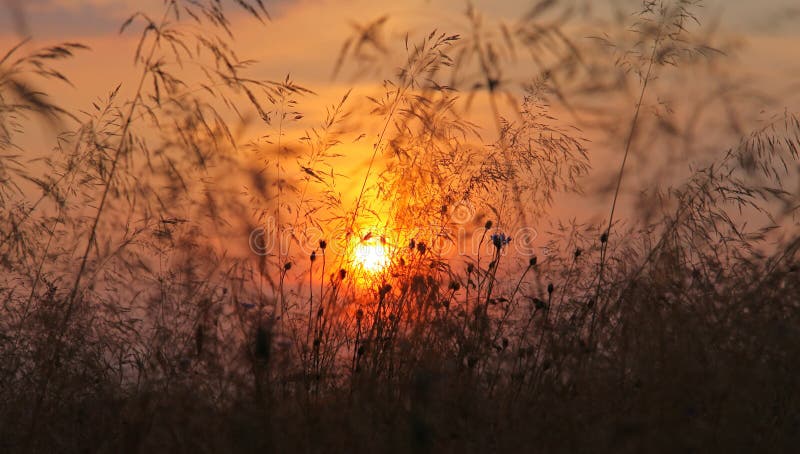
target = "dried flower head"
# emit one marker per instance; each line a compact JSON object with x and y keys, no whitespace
{"x":499,"y":240}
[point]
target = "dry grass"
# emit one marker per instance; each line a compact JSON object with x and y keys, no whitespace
{"x":126,"y":323}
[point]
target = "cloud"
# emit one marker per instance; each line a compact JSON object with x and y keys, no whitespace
{"x":58,"y":19}
{"x":69,"y":19}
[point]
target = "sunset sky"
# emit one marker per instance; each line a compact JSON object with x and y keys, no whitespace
{"x":91,"y":18}
{"x":304,"y":37}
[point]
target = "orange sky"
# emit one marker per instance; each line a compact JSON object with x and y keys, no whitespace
{"x":305,"y":35}
{"x":304,"y":38}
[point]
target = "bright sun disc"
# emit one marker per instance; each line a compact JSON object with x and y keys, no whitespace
{"x":372,"y":257}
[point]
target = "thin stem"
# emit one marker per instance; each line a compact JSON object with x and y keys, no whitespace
{"x":628,"y":144}
{"x":93,"y":233}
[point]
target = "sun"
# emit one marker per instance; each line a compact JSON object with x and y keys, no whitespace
{"x":372,"y":256}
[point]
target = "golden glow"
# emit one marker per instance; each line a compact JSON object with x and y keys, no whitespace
{"x":372,"y":256}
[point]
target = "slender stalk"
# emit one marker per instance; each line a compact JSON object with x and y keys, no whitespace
{"x":490,"y":86}
{"x":508,"y":310}
{"x":628,"y":144}
{"x":60,"y":332}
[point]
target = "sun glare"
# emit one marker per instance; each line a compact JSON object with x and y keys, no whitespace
{"x":371,"y":256}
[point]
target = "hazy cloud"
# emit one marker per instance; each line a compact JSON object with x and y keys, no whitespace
{"x":80,"y":18}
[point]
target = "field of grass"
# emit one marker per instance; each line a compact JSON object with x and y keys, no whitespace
{"x":405,"y":275}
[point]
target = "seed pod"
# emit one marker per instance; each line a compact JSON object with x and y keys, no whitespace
{"x":313,"y":255}
{"x":550,"y":288}
{"x":488,"y":225}
{"x":532,"y":261}
{"x":497,"y":240}
{"x":323,"y":244}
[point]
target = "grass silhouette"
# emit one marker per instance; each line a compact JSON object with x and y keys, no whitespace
{"x":412,"y":315}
